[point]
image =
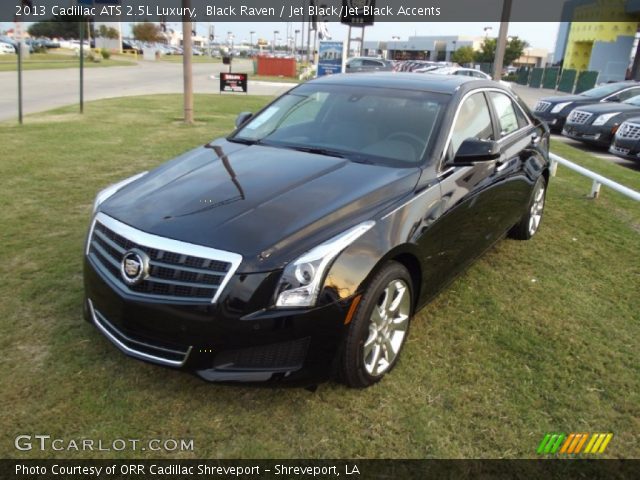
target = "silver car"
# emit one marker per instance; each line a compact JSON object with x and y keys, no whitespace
{"x":368,"y":64}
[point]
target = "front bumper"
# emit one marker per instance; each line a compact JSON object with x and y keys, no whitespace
{"x":625,"y":148}
{"x":220,"y":342}
{"x":599,"y":135}
{"x":555,"y":121}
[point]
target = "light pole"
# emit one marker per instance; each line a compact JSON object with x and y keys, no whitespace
{"x":486,"y":31}
{"x":295,"y":42}
{"x":251,"y":40}
{"x":273,"y":45}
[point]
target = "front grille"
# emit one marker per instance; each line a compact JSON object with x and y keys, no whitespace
{"x":176,"y":270}
{"x":136,"y":346}
{"x":284,"y":356}
{"x":542,"y":106}
{"x":578,"y":117}
{"x":629,"y":131}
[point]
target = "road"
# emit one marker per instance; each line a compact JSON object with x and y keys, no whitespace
{"x":47,"y":89}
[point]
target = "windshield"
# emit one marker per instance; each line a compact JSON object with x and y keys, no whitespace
{"x":602,"y":91}
{"x":371,"y":125}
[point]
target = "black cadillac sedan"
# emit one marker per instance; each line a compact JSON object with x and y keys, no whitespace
{"x":626,"y":141}
{"x":598,"y":123}
{"x":555,"y":110}
{"x":301,"y":245}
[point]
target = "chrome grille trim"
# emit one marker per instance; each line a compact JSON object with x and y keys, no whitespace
{"x":620,"y":150}
{"x":578,"y":117}
{"x":127,"y":344}
{"x":174,"y":266}
{"x":628,"y":130}
{"x":542,"y":106}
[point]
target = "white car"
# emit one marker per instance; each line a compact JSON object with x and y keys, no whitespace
{"x":6,"y":49}
{"x":467,"y":72}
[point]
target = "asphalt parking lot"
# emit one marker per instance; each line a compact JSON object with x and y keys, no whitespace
{"x":532,"y":95}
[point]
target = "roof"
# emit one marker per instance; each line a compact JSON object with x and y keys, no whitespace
{"x":406,"y":81}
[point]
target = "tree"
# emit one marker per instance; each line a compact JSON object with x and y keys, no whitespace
{"x":108,"y":32}
{"x":61,"y":26}
{"x":463,"y":55}
{"x":515,"y":49}
{"x":147,"y":32}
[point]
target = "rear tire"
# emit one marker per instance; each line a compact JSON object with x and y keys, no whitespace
{"x":378,"y":329}
{"x":530,"y":222}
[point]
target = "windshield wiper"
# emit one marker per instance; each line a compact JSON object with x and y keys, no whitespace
{"x":244,"y":141}
{"x":317,"y":150}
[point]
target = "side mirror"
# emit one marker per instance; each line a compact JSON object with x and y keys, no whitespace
{"x":473,"y":151}
{"x":242,"y":118}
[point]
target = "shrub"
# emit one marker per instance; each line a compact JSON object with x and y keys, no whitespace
{"x":105,"y":54}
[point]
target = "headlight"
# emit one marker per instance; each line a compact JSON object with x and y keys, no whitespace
{"x":602,"y":119}
{"x":560,"y":106}
{"x":111,"y":189}
{"x":302,"y":278}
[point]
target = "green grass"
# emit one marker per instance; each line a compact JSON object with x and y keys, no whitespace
{"x":536,"y":337}
{"x":49,"y":61}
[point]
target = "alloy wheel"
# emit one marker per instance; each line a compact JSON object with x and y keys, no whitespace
{"x":535,"y":214}
{"x":388,"y":325}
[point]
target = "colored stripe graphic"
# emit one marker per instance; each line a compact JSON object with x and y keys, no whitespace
{"x":591,"y":442}
{"x":543,"y":443}
{"x":573,"y":443}
{"x":582,"y":440}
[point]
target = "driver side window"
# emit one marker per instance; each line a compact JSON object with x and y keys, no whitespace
{"x":474,"y":121}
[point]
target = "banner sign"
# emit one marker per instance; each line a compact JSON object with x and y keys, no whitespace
{"x":233,"y":82}
{"x":329,"y":58}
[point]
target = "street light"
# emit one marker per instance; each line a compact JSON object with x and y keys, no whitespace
{"x":295,"y":42}
{"x":486,"y":31}
{"x":273,"y":46}
{"x":251,"y":39}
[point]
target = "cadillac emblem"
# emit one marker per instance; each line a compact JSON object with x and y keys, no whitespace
{"x":134,"y":267}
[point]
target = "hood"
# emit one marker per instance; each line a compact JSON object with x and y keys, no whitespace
{"x":268,"y":204}
{"x":566,"y":98}
{"x":610,"y":107}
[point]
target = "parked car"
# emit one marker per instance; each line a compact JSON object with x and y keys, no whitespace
{"x":597,"y":124}
{"x":465,"y":72}
{"x":302,"y":244}
{"x":6,"y":49}
{"x":131,"y":46}
{"x":468,"y":72}
{"x":626,"y":141}
{"x":366,"y":64}
{"x":555,"y":110}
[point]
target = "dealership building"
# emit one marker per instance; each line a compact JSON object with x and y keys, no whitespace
{"x":605,"y":46}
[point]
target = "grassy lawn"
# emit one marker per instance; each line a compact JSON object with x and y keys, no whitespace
{"x":536,"y":337}
{"x":48,"y":61}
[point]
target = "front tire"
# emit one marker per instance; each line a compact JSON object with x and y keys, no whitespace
{"x":379,"y":328}
{"x":530,"y":222}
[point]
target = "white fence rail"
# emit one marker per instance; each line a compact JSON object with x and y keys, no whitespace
{"x":598,"y":180}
